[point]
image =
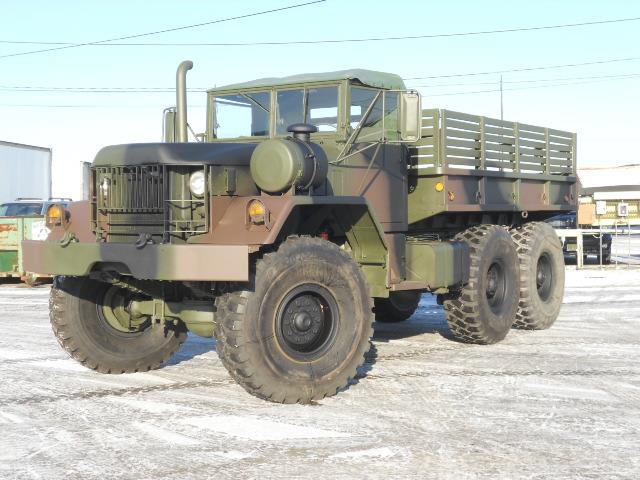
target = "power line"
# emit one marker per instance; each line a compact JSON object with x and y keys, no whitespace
{"x":525,"y":69}
{"x":33,"y":89}
{"x":533,"y":86}
{"x":28,"y":89}
{"x":106,"y":43}
{"x":33,"y":105}
{"x":597,"y":80}
{"x":166,"y":30}
{"x":536,"y":80}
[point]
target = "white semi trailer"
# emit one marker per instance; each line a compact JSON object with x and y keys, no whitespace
{"x":25,"y":172}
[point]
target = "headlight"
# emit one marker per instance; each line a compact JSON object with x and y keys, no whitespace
{"x":104,"y":186}
{"x":196,"y":183}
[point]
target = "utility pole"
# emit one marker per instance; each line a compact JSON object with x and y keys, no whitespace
{"x":501,"y":109}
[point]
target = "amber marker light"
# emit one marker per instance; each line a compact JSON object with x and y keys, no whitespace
{"x":256,"y":211}
{"x":439,"y":187}
{"x":56,"y":215}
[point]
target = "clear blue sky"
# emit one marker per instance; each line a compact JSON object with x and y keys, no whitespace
{"x":604,"y":111}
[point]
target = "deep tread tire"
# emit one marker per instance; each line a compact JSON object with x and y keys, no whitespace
{"x":96,"y":345}
{"x":247,"y":319}
{"x":470,"y":316}
{"x":538,"y":307}
{"x":398,"y":307}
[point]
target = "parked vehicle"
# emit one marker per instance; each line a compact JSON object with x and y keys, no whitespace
{"x":312,"y":201}
{"x":22,"y":219}
{"x":590,"y":242}
{"x":24,"y":207}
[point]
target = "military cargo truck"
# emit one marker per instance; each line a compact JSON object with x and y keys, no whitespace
{"x":315,"y":204}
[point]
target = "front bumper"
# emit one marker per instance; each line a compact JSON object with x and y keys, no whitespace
{"x":153,"y":262}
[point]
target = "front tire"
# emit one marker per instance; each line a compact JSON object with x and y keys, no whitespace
{"x":485,"y":308}
{"x":299,"y":331}
{"x":541,"y":275}
{"x":85,"y":316}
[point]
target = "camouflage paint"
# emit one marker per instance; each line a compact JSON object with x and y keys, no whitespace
{"x":374,"y":196}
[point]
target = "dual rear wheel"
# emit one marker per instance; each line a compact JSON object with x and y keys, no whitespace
{"x":516,"y":279}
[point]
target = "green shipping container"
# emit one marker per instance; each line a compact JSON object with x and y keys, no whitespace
{"x":12,"y":231}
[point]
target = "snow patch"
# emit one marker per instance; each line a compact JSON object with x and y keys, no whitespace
{"x":603,"y":297}
{"x":11,"y":354}
{"x":382,"y":452}
{"x":563,"y":390}
{"x":232,"y":455}
{"x":62,"y":364}
{"x":250,"y":428}
{"x":6,"y":417}
{"x":151,"y":407}
{"x":165,"y":435}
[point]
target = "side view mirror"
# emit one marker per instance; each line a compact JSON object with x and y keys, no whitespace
{"x":410,"y":116}
{"x":169,"y":125}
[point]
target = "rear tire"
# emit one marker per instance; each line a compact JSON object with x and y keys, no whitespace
{"x":398,"y":307}
{"x":485,"y":308}
{"x":541,"y":275}
{"x":77,"y":313}
{"x":299,"y":331}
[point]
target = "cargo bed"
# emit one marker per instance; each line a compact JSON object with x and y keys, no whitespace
{"x":471,"y":163}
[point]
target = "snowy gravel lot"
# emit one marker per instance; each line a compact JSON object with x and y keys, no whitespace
{"x":562,"y":403}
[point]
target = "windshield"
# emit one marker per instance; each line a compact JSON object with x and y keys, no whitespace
{"x":20,"y":209}
{"x":317,"y":106}
{"x":248,"y":114}
{"x":242,"y":115}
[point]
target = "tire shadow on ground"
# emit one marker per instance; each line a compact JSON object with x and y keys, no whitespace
{"x":195,"y":346}
{"x":428,"y":318}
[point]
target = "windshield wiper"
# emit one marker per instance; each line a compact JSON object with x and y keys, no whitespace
{"x":255,"y":102}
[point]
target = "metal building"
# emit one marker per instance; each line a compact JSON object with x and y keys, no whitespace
{"x":610,"y":196}
{"x":25,"y":171}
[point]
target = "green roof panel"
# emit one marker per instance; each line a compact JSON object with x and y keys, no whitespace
{"x":370,"y":78}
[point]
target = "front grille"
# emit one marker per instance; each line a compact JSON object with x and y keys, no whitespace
{"x":129,"y":201}
{"x":138,"y":189}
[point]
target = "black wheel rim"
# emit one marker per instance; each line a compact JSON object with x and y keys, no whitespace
{"x":112,"y":310}
{"x":306,"y":322}
{"x":544,"y":277}
{"x":496,"y":287}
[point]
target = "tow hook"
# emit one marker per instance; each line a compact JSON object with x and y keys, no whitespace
{"x":67,"y":239}
{"x":143,"y":239}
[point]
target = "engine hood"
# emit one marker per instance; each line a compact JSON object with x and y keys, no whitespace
{"x":175,"y":154}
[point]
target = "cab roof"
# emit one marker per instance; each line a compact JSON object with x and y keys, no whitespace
{"x":370,"y":78}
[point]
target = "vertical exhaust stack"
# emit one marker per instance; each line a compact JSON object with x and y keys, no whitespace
{"x":181,"y":101}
